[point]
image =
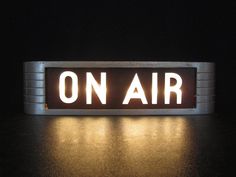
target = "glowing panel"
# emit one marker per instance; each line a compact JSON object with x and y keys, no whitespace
{"x":122,"y":88}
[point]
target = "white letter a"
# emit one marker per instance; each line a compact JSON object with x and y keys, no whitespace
{"x":135,"y":91}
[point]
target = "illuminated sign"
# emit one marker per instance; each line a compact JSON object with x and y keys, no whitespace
{"x":119,"y":88}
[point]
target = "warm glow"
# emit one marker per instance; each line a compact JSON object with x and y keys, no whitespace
{"x":175,"y":88}
{"x":74,"y":88}
{"x":137,"y":142}
{"x":154,"y":88}
{"x":100,"y":89}
{"x":131,"y":93}
{"x":70,"y":130}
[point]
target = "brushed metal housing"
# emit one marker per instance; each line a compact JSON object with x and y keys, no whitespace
{"x":34,"y":87}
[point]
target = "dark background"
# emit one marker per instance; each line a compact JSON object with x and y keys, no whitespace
{"x":130,"y":30}
{"x":109,"y":30}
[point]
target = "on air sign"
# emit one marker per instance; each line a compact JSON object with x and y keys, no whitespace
{"x":119,"y":88}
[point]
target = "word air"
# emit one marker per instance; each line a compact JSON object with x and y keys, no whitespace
{"x":135,"y":89}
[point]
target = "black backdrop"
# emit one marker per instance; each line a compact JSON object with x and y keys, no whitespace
{"x":131,"y":30}
{"x":160,"y":31}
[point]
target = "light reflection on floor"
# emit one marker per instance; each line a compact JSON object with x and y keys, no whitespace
{"x":118,"y":146}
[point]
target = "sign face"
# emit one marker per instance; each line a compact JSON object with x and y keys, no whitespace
{"x":118,"y":88}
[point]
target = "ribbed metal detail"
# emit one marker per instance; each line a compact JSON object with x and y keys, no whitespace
{"x":34,"y":99}
{"x":205,"y":76}
{"x":34,"y":76}
{"x":205,"y":83}
{"x":34,"y":84}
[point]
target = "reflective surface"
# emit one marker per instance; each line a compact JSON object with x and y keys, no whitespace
{"x":114,"y":146}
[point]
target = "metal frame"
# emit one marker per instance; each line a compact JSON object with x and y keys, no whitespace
{"x":34,"y":87}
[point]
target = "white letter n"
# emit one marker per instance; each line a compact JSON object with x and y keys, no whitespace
{"x":99,"y":89}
